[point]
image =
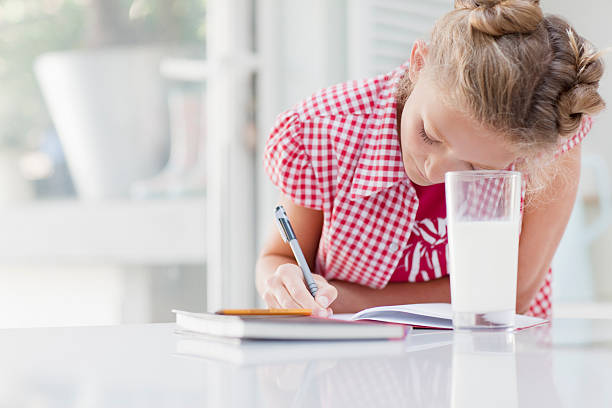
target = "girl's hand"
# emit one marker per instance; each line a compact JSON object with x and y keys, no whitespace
{"x":286,"y":289}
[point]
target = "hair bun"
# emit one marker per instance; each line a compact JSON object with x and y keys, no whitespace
{"x":583,"y":97}
{"x":499,"y":17}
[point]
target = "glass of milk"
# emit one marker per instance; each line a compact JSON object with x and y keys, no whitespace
{"x":484,"y":217}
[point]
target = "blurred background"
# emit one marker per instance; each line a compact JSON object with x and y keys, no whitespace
{"x":131,"y":136}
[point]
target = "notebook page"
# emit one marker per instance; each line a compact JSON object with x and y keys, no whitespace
{"x":435,"y":315}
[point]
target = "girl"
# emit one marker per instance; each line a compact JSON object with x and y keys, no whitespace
{"x":360,"y":165}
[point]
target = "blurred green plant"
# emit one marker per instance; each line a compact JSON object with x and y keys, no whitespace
{"x":29,"y":28}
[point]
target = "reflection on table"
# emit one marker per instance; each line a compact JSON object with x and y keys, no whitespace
{"x":566,"y":364}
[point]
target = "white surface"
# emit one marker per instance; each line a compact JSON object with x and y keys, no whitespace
{"x":258,"y":352}
{"x":111,"y":232}
{"x":565,"y":365}
{"x":483,"y":378}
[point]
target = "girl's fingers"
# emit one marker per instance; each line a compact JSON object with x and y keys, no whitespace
{"x":326,"y":293}
{"x":278,"y":291}
{"x":286,"y":289}
{"x":270,"y":300}
{"x":285,"y":300}
{"x":296,"y":288}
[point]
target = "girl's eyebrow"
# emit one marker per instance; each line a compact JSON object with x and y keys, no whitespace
{"x":432,"y":130}
{"x":438,"y":136}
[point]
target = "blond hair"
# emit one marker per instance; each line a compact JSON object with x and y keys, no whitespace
{"x":514,"y":71}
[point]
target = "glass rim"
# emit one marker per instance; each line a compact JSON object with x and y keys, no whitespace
{"x":482,"y":173}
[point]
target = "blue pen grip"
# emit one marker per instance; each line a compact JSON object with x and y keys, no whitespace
{"x":313,"y":288}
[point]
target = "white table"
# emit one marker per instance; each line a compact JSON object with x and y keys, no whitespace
{"x":566,"y":364}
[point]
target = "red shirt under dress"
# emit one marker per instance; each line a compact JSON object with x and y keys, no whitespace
{"x":425,"y":256}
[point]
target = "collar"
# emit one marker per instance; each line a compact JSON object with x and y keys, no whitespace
{"x":380,"y":163}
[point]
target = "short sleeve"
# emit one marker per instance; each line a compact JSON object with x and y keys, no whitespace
{"x":577,"y":138}
{"x":287,"y":163}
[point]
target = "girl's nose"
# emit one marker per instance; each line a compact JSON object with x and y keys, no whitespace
{"x":436,"y":167}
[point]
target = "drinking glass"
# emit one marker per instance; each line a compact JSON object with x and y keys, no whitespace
{"x":484,"y":219}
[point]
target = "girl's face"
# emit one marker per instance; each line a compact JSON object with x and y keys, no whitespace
{"x":436,"y":138}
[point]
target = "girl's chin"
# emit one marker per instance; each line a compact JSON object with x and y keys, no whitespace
{"x":417,"y":177}
{"x":421,"y":183}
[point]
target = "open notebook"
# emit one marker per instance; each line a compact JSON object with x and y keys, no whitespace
{"x":429,"y":315}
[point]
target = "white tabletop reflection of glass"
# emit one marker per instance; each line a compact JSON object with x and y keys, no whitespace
{"x":565,"y":364}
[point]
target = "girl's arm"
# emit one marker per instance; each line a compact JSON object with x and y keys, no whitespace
{"x":353,"y":297}
{"x":543,"y":227}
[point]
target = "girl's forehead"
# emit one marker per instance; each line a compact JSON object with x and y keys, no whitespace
{"x":466,"y":138}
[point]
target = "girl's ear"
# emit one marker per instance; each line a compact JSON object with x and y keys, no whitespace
{"x":417,"y":59}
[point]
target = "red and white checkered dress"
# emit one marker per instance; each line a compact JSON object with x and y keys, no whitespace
{"x":338,"y":151}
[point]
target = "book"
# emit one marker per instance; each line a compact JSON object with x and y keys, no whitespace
{"x":285,"y":327}
{"x":428,"y":315}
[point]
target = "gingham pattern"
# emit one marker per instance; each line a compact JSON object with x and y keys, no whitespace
{"x":488,"y":193}
{"x":578,"y":137}
{"x":338,"y":152}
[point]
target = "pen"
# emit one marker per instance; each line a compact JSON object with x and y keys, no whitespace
{"x":289,"y":236}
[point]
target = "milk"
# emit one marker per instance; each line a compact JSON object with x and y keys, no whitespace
{"x":483,"y":262}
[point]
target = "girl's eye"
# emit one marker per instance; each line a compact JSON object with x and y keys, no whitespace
{"x":426,"y":138}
